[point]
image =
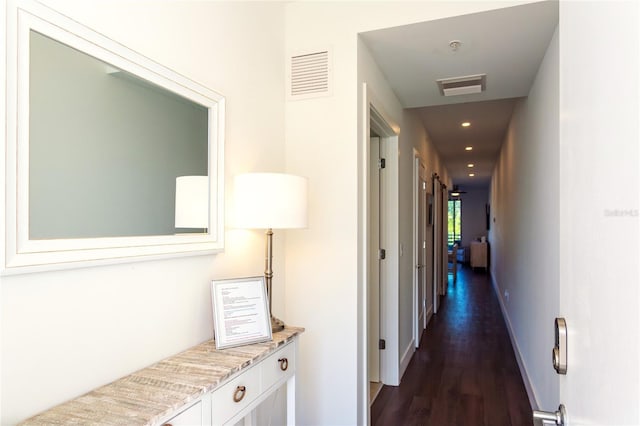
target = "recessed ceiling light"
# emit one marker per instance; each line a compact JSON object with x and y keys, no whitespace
{"x":472,"y":174}
{"x":470,"y":165}
{"x":466,"y":124}
{"x":468,"y":148}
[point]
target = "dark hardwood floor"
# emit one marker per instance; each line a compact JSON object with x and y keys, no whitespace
{"x":465,"y":371}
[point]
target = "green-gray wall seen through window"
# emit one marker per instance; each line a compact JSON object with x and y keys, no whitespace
{"x":105,"y":147}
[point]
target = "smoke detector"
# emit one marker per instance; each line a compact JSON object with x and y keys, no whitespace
{"x":462,"y":85}
{"x":455,"y":45}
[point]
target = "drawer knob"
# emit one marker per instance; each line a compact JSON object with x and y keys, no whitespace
{"x":284,"y":364}
{"x":239,"y":393}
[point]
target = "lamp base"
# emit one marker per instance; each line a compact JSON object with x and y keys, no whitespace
{"x":276,"y":324}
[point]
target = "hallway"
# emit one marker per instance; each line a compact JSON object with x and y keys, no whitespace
{"x":465,"y":371}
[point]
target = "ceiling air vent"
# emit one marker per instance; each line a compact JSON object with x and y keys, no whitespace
{"x":309,"y":75}
{"x":462,"y":85}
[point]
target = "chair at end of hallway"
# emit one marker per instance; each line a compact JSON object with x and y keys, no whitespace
{"x":452,"y":264}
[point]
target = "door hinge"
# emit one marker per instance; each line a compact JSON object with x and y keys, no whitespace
{"x":382,"y":254}
{"x":382,"y":163}
{"x":382,"y":344}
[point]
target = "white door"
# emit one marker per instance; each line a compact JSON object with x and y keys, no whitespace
{"x":420,"y":248}
{"x":445,"y":232}
{"x":429,"y":254}
{"x":374,"y":262}
{"x":599,"y":193}
{"x":424,"y":272}
{"x":437,"y":249}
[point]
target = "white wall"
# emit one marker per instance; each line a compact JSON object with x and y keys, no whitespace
{"x":524,"y":237}
{"x":66,"y":332}
{"x":473,"y":220}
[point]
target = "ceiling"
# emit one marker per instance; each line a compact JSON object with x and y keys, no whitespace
{"x":506,"y":44}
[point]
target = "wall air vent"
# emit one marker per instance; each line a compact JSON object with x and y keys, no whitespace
{"x":462,"y":85}
{"x":309,"y":75}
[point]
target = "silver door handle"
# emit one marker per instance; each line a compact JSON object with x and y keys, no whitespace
{"x":559,"y":353}
{"x":419,"y":266}
{"x":557,"y":417}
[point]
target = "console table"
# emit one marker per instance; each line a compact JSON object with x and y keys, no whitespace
{"x":200,"y":386}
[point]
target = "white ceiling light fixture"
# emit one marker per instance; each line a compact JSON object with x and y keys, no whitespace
{"x":472,"y":174}
{"x":468,"y":148}
{"x":466,"y":124}
{"x":462,"y":85}
{"x":470,"y":165}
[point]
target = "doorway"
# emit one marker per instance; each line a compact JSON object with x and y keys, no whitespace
{"x":423,"y":293}
{"x":437,"y":247}
{"x":382,"y":253}
{"x":375,"y":223}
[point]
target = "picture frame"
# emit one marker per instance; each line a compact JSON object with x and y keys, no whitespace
{"x":240,"y":312}
{"x":487,"y":211}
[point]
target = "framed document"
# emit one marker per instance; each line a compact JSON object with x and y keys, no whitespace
{"x":240,"y":312}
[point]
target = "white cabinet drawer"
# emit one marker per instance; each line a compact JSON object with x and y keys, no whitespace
{"x":279,"y":366}
{"x":235,"y":396}
{"x":192,"y":416}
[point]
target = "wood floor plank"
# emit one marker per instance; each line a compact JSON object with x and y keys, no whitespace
{"x":419,"y":411}
{"x":470,"y":410}
{"x":465,"y":371}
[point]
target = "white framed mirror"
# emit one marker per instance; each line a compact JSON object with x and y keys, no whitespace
{"x":97,"y":136}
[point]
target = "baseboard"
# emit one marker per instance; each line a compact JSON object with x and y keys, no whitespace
{"x":516,"y":349}
{"x":421,"y":320}
{"x":429,"y":314}
{"x":406,"y":357}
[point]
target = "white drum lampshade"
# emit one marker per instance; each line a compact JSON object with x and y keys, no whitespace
{"x":270,"y":201}
{"x":192,"y":202}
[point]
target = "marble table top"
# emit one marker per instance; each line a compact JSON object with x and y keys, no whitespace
{"x":150,"y":395}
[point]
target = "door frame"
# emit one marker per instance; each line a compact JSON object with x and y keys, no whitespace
{"x":430,"y":250}
{"x":437,"y":249}
{"x":389,"y":240}
{"x":374,"y":279}
{"x":444,"y":194}
{"x":419,"y":257}
{"x":373,"y":114}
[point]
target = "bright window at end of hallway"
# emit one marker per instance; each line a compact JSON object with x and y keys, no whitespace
{"x":454,"y":223}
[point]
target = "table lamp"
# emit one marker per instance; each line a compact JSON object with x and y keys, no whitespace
{"x":270,"y":201}
{"x":192,"y":202}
